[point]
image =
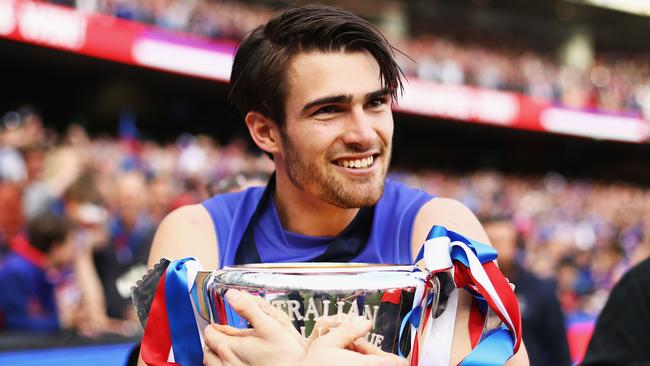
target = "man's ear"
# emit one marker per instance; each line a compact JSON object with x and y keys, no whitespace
{"x":264,"y":132}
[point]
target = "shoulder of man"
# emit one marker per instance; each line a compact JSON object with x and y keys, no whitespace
{"x":450,"y":213}
{"x":639,"y":273}
{"x":186,"y":231}
{"x":621,"y":331}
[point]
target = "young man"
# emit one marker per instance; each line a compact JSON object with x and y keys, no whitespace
{"x":315,"y":85}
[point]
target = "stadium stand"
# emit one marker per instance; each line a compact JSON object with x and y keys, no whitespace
{"x":611,"y":82}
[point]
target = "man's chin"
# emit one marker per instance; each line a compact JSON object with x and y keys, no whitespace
{"x":362,"y":196}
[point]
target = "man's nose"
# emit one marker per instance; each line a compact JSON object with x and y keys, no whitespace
{"x":360,"y":130}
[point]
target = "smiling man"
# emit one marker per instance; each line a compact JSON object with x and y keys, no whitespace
{"x":315,"y":86}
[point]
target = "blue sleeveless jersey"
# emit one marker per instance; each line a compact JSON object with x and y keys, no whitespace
{"x":389,"y":241}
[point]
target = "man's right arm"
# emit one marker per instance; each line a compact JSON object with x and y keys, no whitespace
{"x":188,"y":231}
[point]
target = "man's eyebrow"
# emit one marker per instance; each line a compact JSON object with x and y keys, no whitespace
{"x":343,"y":99}
{"x":327,"y":100}
{"x":377,"y":94}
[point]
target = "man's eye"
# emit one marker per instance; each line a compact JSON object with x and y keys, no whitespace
{"x":330,"y":109}
{"x":377,"y":102}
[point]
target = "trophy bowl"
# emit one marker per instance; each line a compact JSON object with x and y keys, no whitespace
{"x":384,"y":294}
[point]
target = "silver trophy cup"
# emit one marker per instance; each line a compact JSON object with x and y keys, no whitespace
{"x":384,"y":294}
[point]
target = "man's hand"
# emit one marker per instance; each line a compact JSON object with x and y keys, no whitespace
{"x":274,"y":341}
{"x":345,"y":345}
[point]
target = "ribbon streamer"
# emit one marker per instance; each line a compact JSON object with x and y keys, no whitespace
{"x":186,"y":341}
{"x":474,"y":269}
{"x":172,"y":335}
{"x":157,"y":341}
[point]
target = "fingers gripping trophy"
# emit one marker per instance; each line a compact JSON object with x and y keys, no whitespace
{"x":330,"y":262}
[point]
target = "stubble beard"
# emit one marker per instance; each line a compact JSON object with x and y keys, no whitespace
{"x":332,"y":188}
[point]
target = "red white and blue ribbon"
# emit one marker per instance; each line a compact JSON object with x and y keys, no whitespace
{"x":172,"y":335}
{"x":474,"y":269}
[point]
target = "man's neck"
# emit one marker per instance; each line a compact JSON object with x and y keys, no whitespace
{"x":303,"y":214}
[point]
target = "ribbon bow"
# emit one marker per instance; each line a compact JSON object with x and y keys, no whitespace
{"x":172,"y":335}
{"x":474,"y":269}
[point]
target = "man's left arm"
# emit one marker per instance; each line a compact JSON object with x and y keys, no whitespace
{"x":457,"y":217}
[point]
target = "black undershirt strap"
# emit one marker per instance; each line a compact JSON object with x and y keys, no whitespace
{"x":343,"y":248}
{"x":351,"y":241}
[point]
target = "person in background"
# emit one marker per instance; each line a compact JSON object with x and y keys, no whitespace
{"x":37,"y":195}
{"x":160,"y":197}
{"x":623,"y":327}
{"x":12,"y":165}
{"x":84,"y":204}
{"x":130,"y":231}
{"x":12,"y":219}
{"x":543,"y":322}
{"x":27,"y":299}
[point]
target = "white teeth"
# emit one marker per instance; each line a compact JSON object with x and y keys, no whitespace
{"x":359,"y":163}
{"x":363,"y":163}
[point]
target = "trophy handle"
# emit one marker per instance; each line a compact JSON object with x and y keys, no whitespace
{"x":446,"y":287}
{"x":203,"y":303}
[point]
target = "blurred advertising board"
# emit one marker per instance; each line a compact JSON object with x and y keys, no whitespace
{"x":133,"y":43}
{"x":506,"y":109}
{"x":114,"y":39}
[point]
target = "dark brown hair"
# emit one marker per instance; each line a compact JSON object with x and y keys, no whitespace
{"x":258,"y":80}
{"x":84,"y":190}
{"x":47,"y":231}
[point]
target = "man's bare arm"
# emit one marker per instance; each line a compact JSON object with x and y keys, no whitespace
{"x":457,"y":217}
{"x":187,"y":231}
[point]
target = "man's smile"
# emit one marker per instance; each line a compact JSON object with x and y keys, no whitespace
{"x":356,"y":163}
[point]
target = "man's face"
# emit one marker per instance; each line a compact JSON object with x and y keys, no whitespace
{"x":62,"y":254}
{"x":336,"y":140}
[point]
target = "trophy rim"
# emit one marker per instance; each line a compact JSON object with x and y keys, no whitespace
{"x":319,"y":276}
{"x":319,"y":267}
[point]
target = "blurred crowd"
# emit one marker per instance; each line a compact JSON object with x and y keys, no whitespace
{"x":582,"y":234}
{"x":78,"y":214}
{"x":612,"y":83}
{"x":212,"y":19}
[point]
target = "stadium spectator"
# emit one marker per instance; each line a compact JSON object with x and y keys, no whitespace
{"x":11,"y":214}
{"x":28,"y":275}
{"x":160,"y":197}
{"x":96,"y":268}
{"x":37,"y":196}
{"x":130,"y":232}
{"x":12,"y":166}
{"x":83,"y":203}
{"x":542,"y":319}
{"x":623,"y":328}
